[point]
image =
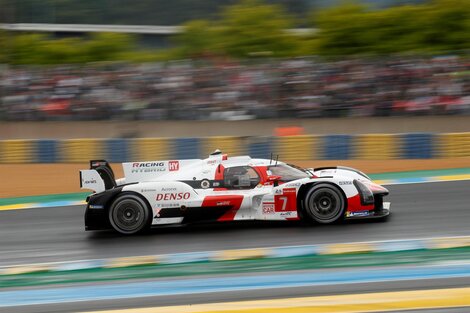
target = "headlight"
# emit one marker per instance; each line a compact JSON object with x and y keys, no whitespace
{"x":366,"y":195}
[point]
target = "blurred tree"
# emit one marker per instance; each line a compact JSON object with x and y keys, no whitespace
{"x":39,"y":49}
{"x":250,"y":28}
{"x":108,"y":46}
{"x":65,"y":51}
{"x":197,"y":39}
{"x":342,"y":29}
{"x":4,"y":47}
{"x":447,"y":25}
{"x":351,"y":28}
{"x":253,"y":28}
{"x":394,"y":30}
{"x":26,"y":49}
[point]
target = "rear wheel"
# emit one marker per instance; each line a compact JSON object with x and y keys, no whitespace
{"x":324,"y":203}
{"x":129,"y":214}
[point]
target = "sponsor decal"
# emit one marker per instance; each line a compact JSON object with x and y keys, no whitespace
{"x":148,"y":164}
{"x":268,"y":208}
{"x":286,"y":201}
{"x":223,"y":203}
{"x":146,"y":167}
{"x":93,"y":181}
{"x":357,"y":214}
{"x":294,"y":185}
{"x":173,"y":166}
{"x":289,"y":190}
{"x":168,"y":189}
{"x":173,"y":196}
{"x":345,"y":183}
{"x":95,"y":206}
{"x":216,"y":184}
{"x":278,"y":191}
{"x":148,"y":190}
{"x":211,"y":162}
{"x":286,"y":214}
{"x":172,"y":205}
{"x":149,"y":170}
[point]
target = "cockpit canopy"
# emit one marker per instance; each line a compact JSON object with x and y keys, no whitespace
{"x":286,"y":172}
{"x":241,"y":177}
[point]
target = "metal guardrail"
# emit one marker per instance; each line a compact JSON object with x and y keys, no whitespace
{"x":131,"y":29}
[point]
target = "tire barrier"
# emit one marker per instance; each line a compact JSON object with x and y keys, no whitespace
{"x":303,"y":147}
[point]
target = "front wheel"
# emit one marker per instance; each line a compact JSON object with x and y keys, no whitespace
{"x":324,"y":203}
{"x":129,"y":214}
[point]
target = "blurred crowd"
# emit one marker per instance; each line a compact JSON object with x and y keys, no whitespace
{"x":229,"y":90}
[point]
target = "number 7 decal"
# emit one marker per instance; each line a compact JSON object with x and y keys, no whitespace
{"x":287,"y":201}
{"x":284,"y":203}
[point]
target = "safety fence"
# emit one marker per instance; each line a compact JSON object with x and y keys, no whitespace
{"x":305,"y":147}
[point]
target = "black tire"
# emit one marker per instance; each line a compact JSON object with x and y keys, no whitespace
{"x":324,"y":204}
{"x":129,"y":214}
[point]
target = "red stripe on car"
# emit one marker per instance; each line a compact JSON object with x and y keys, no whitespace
{"x":354,"y":204}
{"x":219,"y":175}
{"x":234,"y":201}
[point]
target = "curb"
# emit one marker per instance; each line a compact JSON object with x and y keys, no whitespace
{"x":244,"y":254}
{"x":418,"y":180}
{"x":35,"y":205}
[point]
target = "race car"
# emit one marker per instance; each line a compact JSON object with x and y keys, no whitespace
{"x":223,"y":189}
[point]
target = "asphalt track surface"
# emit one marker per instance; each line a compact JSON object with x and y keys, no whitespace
{"x":57,"y":234}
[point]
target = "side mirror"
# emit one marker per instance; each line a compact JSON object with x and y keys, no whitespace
{"x":274,"y":179}
{"x":310,"y":171}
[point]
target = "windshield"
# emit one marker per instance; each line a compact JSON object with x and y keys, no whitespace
{"x":287,"y":172}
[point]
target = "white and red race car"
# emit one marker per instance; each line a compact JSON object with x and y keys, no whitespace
{"x":223,"y":189}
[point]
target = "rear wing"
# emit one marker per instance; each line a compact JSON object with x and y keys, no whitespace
{"x":151,"y":170}
{"x":99,"y":177}
{"x":90,"y":179}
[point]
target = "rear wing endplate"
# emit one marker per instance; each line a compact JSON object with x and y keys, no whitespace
{"x":91,"y":179}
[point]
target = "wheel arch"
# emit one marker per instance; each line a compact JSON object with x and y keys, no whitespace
{"x":128,"y":192}
{"x":141,"y":201}
{"x":306,"y":187}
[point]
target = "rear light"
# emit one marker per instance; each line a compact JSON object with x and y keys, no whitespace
{"x":366,"y":195}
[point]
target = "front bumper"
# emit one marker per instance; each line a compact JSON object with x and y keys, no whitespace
{"x":381,"y":212}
